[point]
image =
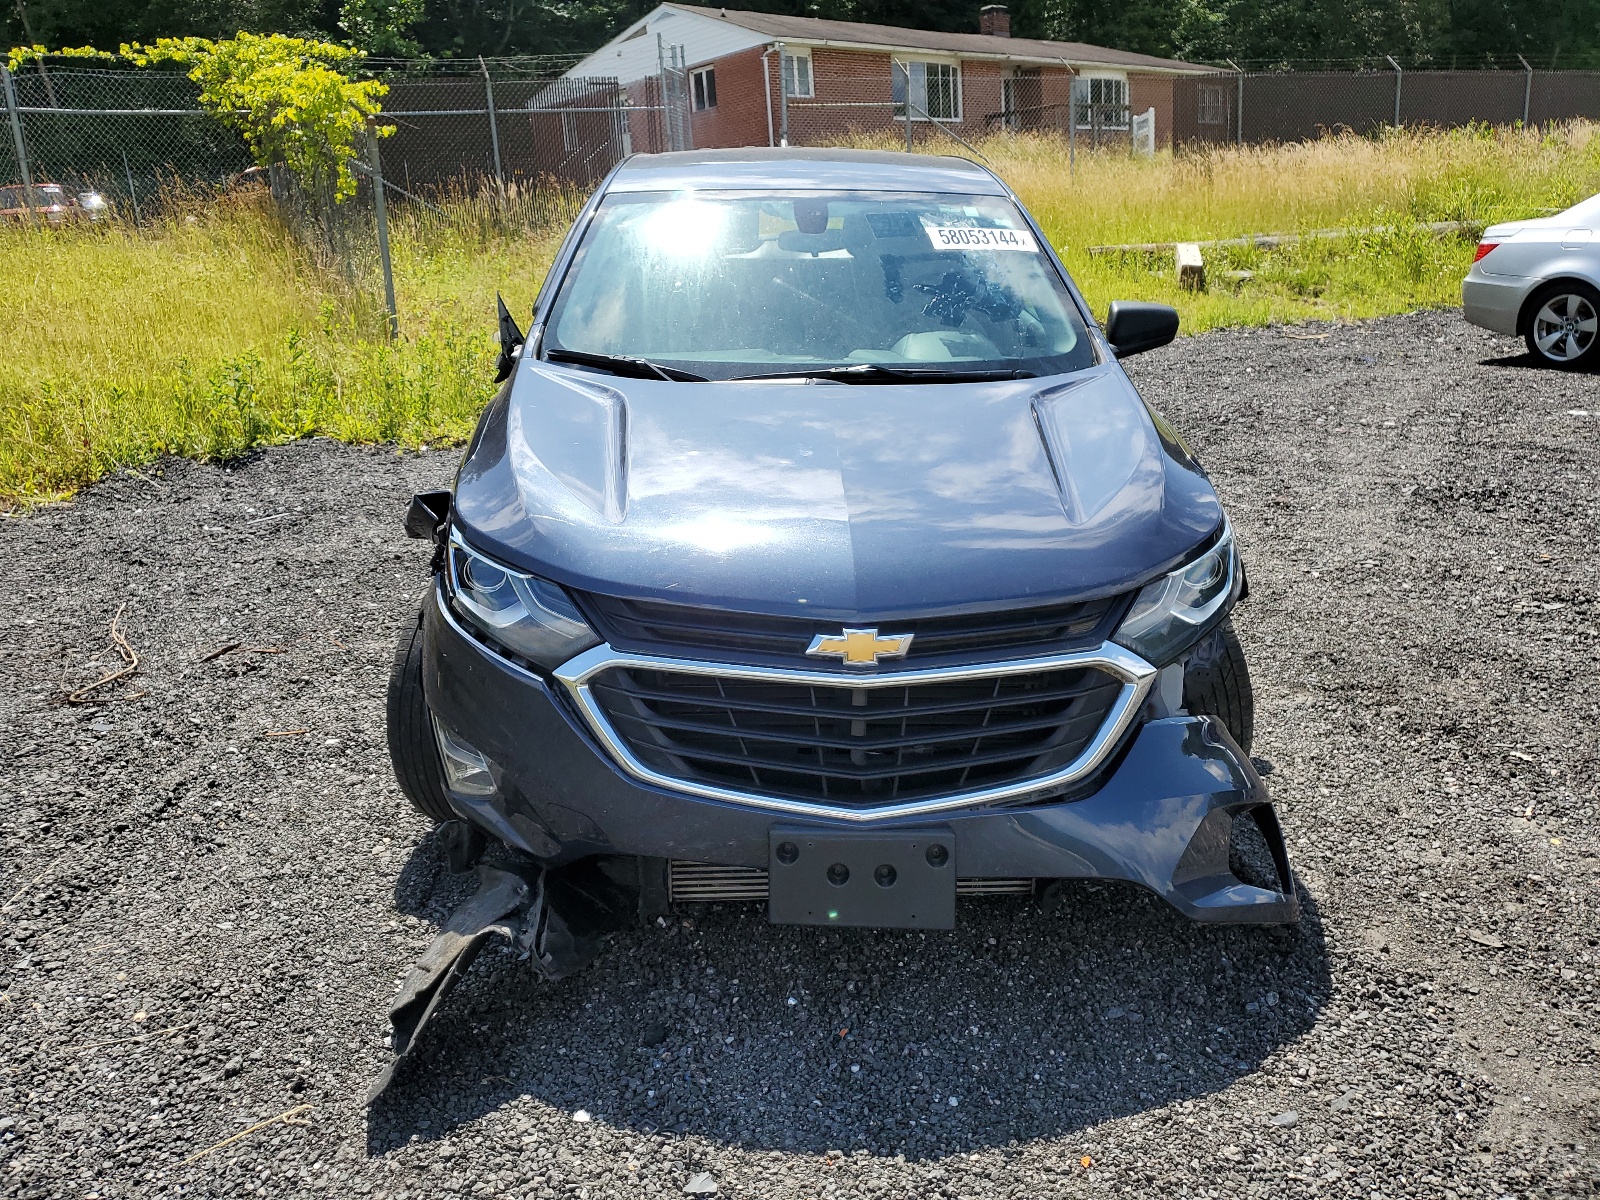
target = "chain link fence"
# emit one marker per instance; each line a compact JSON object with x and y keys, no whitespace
{"x":472,"y":151}
{"x":522,"y":126}
{"x":128,"y":136}
{"x":1254,"y":107}
{"x":465,"y":152}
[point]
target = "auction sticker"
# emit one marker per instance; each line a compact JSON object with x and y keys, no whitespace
{"x":970,"y":237}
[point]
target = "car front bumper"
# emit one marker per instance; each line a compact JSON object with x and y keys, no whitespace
{"x":1494,"y":301}
{"x":1161,"y":817}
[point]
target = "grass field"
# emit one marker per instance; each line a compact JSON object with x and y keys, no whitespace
{"x":214,"y":331}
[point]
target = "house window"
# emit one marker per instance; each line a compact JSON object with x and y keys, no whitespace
{"x":1210,"y":105}
{"x":797,"y":75}
{"x":933,"y":88}
{"x":703,"y":86}
{"x":1101,"y":102}
{"x":570,"y":133}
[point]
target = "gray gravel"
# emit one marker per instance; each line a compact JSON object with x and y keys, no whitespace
{"x":203,"y":922}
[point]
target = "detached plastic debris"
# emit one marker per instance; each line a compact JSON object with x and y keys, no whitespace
{"x":700,"y":1184}
{"x":558,"y":917}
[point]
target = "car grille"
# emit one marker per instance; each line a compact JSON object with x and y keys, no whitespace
{"x":706,"y":883}
{"x":855,"y":746}
{"x":656,"y":627}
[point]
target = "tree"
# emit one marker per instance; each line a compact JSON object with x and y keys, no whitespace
{"x":1444,"y":32}
{"x":383,"y":26}
{"x":112,"y":22}
{"x":289,"y":98}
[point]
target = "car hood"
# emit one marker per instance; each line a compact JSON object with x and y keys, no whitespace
{"x":828,"y":499}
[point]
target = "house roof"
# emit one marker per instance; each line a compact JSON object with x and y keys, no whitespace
{"x":816,"y":30}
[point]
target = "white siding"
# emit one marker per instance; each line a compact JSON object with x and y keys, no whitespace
{"x":633,"y":55}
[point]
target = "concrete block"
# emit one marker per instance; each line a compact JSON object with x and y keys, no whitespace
{"x":1191,"y":267}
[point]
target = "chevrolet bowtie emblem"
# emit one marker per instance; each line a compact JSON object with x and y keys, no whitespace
{"x":860,"y":647}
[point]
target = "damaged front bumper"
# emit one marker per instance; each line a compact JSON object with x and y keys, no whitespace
{"x":555,"y":918}
{"x":1163,"y":814}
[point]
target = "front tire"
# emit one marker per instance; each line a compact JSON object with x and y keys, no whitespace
{"x":412,"y":748}
{"x":1564,"y":326}
{"x":1216,"y":683}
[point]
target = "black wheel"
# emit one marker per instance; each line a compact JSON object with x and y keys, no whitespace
{"x":412,"y":748}
{"x":1564,"y":325}
{"x":1217,"y":683}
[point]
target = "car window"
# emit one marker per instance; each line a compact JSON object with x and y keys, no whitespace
{"x":740,"y":283}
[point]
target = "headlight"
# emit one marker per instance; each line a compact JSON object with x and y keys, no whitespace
{"x":529,"y":616}
{"x":1174,"y":612}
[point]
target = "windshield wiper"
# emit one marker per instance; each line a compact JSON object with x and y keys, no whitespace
{"x":624,"y":364}
{"x":878,"y":373}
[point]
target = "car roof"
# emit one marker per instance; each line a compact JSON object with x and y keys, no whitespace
{"x":762,"y":167}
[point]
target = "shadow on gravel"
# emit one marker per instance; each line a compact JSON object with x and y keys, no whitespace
{"x":1524,"y":360}
{"x":1017,"y":1025}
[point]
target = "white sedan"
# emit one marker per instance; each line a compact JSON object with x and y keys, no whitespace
{"x":1541,"y":279}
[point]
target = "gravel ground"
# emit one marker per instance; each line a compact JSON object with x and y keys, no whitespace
{"x":211,"y":885}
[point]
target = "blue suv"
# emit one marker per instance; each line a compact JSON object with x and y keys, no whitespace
{"x":818,"y":550}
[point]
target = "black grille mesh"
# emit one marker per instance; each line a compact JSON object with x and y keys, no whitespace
{"x":652,"y":626}
{"x":857,"y":747}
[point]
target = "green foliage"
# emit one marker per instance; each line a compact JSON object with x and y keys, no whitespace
{"x":288,"y":97}
{"x":228,"y":338}
{"x":383,"y":26}
{"x":112,"y":22}
{"x":1445,"y":32}
{"x":1460,"y":33}
{"x":18,"y":55}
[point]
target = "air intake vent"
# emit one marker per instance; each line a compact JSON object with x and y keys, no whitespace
{"x":699,"y":883}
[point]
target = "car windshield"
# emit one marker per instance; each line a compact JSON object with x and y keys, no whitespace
{"x":732,"y":284}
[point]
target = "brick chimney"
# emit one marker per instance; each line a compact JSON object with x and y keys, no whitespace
{"x":994,"y":20}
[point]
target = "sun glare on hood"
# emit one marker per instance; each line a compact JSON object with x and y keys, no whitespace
{"x":721,"y":534}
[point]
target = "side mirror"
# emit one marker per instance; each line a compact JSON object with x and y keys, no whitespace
{"x":510,"y":342}
{"x":427,"y":514}
{"x":1132,"y":326}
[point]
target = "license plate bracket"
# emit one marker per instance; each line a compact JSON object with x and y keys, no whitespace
{"x":891,"y":879}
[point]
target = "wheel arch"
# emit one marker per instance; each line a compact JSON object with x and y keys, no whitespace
{"x":1569,"y":276}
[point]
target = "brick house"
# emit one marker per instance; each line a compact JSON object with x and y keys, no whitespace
{"x":760,"y":79}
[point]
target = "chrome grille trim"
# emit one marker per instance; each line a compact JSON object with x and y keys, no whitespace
{"x":1136,"y":675}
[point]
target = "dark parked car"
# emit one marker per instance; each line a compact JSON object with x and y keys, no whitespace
{"x":818,"y":549}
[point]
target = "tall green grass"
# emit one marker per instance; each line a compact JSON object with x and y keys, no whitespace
{"x":1392,"y":186}
{"x":214,"y":330}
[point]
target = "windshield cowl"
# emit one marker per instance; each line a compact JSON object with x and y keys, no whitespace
{"x":873,"y":373}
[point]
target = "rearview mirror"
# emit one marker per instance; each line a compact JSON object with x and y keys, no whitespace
{"x":1132,"y":326}
{"x":510,"y":342}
